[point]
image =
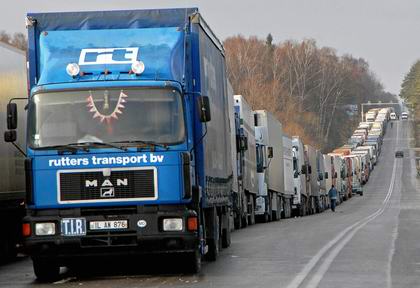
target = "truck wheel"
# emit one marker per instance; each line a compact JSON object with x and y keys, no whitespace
{"x":244,"y":221}
{"x":214,"y":243}
{"x":46,"y":270}
{"x":317,"y":206}
{"x":226,"y":229}
{"x":289,"y":209}
{"x":213,"y":250}
{"x":193,"y":262}
{"x":238,"y":222}
{"x":251,"y":220}
{"x":226,"y":239}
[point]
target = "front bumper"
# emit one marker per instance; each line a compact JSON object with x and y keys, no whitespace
{"x":150,"y":239}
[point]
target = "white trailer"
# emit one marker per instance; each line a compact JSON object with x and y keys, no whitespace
{"x":269,"y":139}
{"x":300,"y":168}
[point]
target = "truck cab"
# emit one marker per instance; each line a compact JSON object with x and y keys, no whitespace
{"x":300,"y":170}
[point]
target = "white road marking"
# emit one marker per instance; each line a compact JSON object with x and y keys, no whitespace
{"x":347,"y":235}
{"x":391,"y":256}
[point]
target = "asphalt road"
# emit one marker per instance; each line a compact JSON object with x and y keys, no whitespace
{"x":371,"y":241}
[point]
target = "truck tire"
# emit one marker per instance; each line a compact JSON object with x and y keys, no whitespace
{"x":193,"y":262}
{"x":244,"y":221}
{"x":289,"y":209}
{"x":213,"y":251}
{"x":46,"y":270}
{"x":238,"y":221}
{"x":214,"y":243}
{"x":318,"y":206}
{"x":251,"y":214}
{"x":226,"y":238}
{"x":302,"y":210}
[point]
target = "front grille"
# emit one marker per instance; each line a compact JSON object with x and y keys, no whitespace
{"x":120,"y":184}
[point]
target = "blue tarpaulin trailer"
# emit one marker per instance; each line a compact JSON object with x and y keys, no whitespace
{"x":127,"y":137}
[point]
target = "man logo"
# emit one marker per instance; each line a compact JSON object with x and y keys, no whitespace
{"x":106,"y":183}
{"x":107,"y":192}
{"x":107,"y":189}
{"x":98,"y":56}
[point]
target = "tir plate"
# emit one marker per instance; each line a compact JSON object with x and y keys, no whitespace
{"x":73,"y":226}
{"x":108,"y":225}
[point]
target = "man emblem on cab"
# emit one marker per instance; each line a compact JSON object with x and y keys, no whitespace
{"x":107,"y":189}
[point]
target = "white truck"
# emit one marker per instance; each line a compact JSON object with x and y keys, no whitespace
{"x":329,"y":172}
{"x":300,"y":170}
{"x":246,"y":161}
{"x":340,"y":175}
{"x":313,"y":184}
{"x":289,"y":185}
{"x":356,"y":173}
{"x":269,"y":141}
{"x":322,"y":178}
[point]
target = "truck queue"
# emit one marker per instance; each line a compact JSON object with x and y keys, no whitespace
{"x":142,"y":147}
{"x":294,"y":178}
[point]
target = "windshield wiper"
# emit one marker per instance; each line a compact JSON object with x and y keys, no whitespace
{"x":144,"y":144}
{"x":65,"y":148}
{"x":95,"y":143}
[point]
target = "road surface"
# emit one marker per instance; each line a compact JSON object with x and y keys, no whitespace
{"x":371,"y":241}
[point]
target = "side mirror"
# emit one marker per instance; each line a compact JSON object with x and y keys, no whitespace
{"x":320,"y":176}
{"x":326,"y":175}
{"x":303,"y":170}
{"x":335,"y":175}
{"x":203,"y":104}
{"x":296,"y":175}
{"x":270,"y":152}
{"x":12,"y":116}
{"x":309,"y":169}
{"x":10,"y":136}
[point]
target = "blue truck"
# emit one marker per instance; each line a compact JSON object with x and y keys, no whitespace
{"x":127,"y":137}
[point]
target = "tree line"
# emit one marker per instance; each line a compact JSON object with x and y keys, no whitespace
{"x":17,"y":40}
{"x":410,"y":92}
{"x":410,"y":87}
{"x":314,"y":92}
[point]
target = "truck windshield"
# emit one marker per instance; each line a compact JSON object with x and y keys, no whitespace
{"x":106,"y":115}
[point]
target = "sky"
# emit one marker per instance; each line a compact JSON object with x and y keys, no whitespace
{"x":384,"y":32}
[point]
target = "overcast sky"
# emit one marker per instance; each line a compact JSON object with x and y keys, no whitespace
{"x":384,"y":32}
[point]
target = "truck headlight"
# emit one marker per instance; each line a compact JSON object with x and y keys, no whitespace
{"x":42,"y":229}
{"x":173,"y":224}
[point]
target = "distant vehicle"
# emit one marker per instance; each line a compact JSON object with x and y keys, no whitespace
{"x":393,"y":116}
{"x":404,"y":116}
{"x":399,"y":154}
